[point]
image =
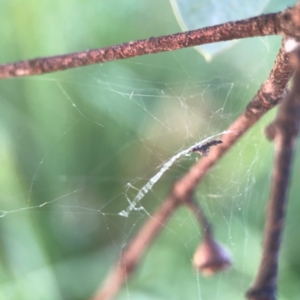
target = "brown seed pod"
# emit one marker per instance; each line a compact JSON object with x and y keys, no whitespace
{"x":210,"y":257}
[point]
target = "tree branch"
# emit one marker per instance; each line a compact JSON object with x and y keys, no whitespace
{"x":129,"y":258}
{"x":283,"y":131}
{"x":268,"y":24}
{"x":271,"y":92}
{"x":283,"y":23}
{"x":267,"y":97}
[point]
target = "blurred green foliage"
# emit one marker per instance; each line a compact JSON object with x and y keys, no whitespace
{"x":75,"y":144}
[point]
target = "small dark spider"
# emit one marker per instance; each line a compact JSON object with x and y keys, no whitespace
{"x":204,"y":149}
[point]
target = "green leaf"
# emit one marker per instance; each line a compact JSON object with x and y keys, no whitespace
{"x":193,"y":14}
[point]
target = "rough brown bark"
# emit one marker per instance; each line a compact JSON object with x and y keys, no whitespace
{"x":257,"y":26}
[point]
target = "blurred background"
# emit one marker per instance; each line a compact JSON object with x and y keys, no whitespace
{"x":75,"y":146}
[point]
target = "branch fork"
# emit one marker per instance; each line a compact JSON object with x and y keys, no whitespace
{"x":210,"y":256}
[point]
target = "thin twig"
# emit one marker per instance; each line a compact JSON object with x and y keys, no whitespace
{"x":267,"y":97}
{"x":193,"y":205}
{"x":283,"y":131}
{"x":258,"y":26}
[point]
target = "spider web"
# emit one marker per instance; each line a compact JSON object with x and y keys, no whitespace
{"x":93,"y":153}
